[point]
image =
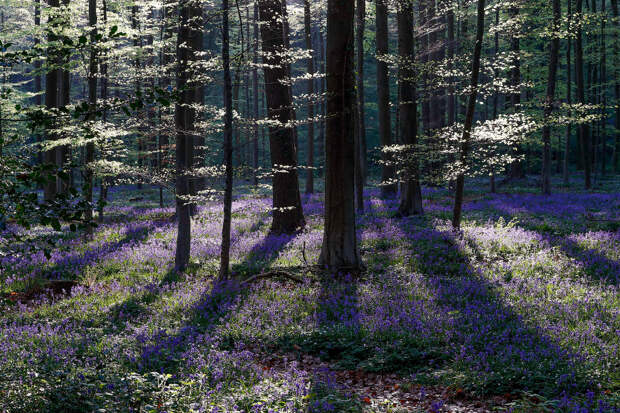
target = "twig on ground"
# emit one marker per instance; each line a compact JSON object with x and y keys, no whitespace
{"x":270,"y":274}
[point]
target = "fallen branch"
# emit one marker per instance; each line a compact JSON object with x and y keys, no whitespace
{"x":270,"y":274}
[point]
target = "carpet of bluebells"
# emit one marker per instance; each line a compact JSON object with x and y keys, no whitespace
{"x":523,"y":301}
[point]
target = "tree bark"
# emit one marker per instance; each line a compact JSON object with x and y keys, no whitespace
{"x":255,"y":97}
{"x":569,"y":95}
{"x":185,"y":116}
{"x":52,"y":77}
{"x":554,"y":56}
{"x":411,"y":199}
{"x":616,"y":157}
{"x":287,"y":212}
{"x":228,"y":120}
{"x":383,"y":97}
{"x":517,"y":170}
{"x":469,"y":118}
{"x":340,"y":252}
{"x":310,"y":83}
{"x":360,"y":23}
{"x":584,"y":132}
{"x":92,"y":107}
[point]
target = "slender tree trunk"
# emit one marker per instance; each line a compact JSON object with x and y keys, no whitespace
{"x":310,"y":152}
{"x":469,"y":118}
{"x":323,"y":82}
{"x":197,"y":182}
{"x":411,"y":200}
{"x":255,"y":96}
{"x":496,"y":94}
{"x":92,"y":107}
{"x":103,"y":187}
{"x":383,"y":97}
{"x":287,"y":212}
{"x":517,"y":169}
{"x":228,"y":120}
{"x":451,"y":101}
{"x":584,"y":130}
{"x":569,"y":97}
{"x":52,"y":77}
{"x":37,"y":68}
{"x":616,"y":157}
{"x":185,"y":116}
{"x":554,"y":56}
{"x":340,"y":252}
{"x":360,"y":21}
{"x":603,"y":91}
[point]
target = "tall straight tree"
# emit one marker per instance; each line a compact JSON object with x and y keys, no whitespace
{"x":554,"y":57}
{"x":517,"y":169}
{"x":310,"y":83}
{"x":469,"y":117}
{"x":411,"y":199}
{"x":228,"y":149}
{"x":569,"y":94}
{"x":185,"y":117}
{"x":52,"y":76}
{"x":255,"y":97}
{"x":360,"y":23}
{"x":340,"y":251}
{"x":584,"y":130}
{"x":616,"y":157}
{"x":287,"y":212}
{"x":383,"y":96}
{"x":92,"y":107}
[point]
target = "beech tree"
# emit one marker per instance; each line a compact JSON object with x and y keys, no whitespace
{"x":287,"y":211}
{"x":340,"y":251}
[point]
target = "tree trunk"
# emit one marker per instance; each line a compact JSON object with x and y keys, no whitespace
{"x":37,"y":68}
{"x":185,"y":116}
{"x":569,"y":97}
{"x":360,"y":21}
{"x":517,"y":169}
{"x":616,"y":157}
{"x":411,"y":200}
{"x":496,"y":94}
{"x":92,"y":107}
{"x":383,"y":97}
{"x":340,"y":251}
{"x":287,"y":44}
{"x":323,"y":82}
{"x":451,"y":97}
{"x":602,"y":91}
{"x":554,"y":56}
{"x":228,"y":120}
{"x":310,"y":153}
{"x":584,"y":132}
{"x":103,"y":187}
{"x":52,"y":78}
{"x":287,"y":212}
{"x":255,"y":97}
{"x":469,"y":118}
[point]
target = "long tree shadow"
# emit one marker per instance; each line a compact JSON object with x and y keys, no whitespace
{"x":163,"y":351}
{"x":490,"y":345}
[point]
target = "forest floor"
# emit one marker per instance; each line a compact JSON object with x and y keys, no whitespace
{"x":519,"y":312}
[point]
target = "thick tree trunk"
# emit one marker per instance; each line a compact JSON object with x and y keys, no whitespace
{"x":383,"y":97}
{"x":287,"y":44}
{"x":92,"y":107}
{"x":310,"y":152}
{"x":584,"y":130}
{"x":185,"y":116}
{"x":554,"y":57}
{"x":340,"y":252}
{"x":228,"y":120}
{"x":569,"y":95}
{"x":360,"y":23}
{"x":287,"y":212}
{"x":469,"y":118}
{"x":411,"y":199}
